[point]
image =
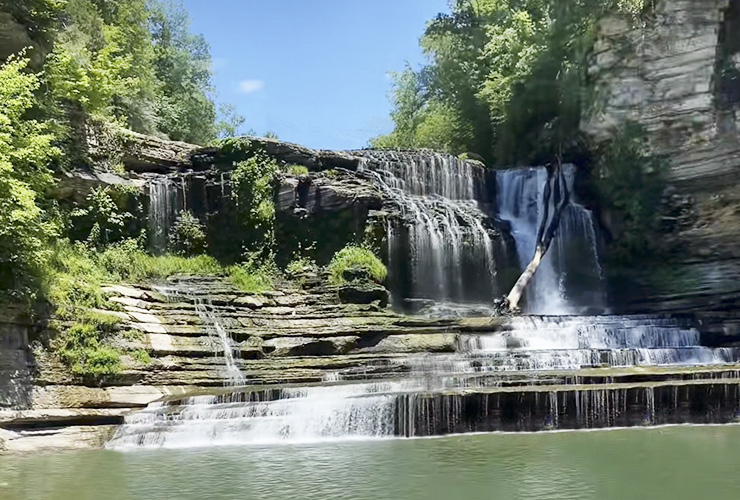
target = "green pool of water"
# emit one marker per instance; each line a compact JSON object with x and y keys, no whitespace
{"x":659,"y":463}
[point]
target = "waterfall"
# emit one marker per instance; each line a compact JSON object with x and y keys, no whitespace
{"x":441,"y":236}
{"x":167,"y":198}
{"x":223,"y":344}
{"x":435,"y":393}
{"x":570,"y":277}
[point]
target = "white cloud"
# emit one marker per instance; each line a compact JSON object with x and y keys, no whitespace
{"x":249,"y":86}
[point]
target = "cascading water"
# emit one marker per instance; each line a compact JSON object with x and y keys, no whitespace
{"x":569,"y":278}
{"x":442,"y":237}
{"x":430,"y":397}
{"x":167,"y":198}
{"x":223,"y":345}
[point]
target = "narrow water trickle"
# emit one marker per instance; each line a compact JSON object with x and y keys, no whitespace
{"x":223,"y":345}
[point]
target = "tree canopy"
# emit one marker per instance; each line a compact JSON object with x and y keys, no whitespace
{"x":134,"y":62}
{"x":505,"y":79}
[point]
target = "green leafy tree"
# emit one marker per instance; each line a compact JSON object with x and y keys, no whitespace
{"x":103,"y":60}
{"x":102,"y":220}
{"x":25,"y":153}
{"x":505,"y":79}
{"x":254,"y":189}
{"x":188,"y":236}
{"x":183,"y":65}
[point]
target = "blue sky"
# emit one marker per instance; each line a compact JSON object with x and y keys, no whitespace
{"x":313,"y":71}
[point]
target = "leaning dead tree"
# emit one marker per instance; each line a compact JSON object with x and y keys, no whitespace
{"x":555,"y":196}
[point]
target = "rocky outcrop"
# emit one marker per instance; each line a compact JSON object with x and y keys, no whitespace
{"x":670,"y":75}
{"x":289,"y":335}
{"x":14,"y":38}
{"x":665,"y":78}
{"x":286,"y":152}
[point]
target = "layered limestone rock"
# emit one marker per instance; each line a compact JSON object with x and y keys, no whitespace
{"x":663,"y":74}
{"x":290,"y":335}
{"x":675,"y":75}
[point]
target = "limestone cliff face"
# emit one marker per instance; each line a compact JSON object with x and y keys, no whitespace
{"x":677,"y":75}
{"x":666,"y":75}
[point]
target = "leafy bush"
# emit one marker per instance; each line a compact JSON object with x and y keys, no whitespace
{"x":254,"y":190}
{"x":301,"y":264}
{"x":630,"y":182}
{"x":187,"y":236}
{"x":25,"y":152}
{"x":82,"y":349}
{"x":252,"y":278}
{"x":355,"y":258}
{"x":296,"y":170}
{"x":102,"y":219}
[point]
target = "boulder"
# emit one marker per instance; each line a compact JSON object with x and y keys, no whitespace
{"x":363,"y":293}
{"x":309,"y":346}
{"x":413,"y":343}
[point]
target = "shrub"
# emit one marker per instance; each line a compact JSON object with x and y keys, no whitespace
{"x":187,"y":236}
{"x":102,"y":220}
{"x":254,"y":190}
{"x":81,"y":348}
{"x":296,"y":170}
{"x":300,"y":265}
{"x":355,"y":258}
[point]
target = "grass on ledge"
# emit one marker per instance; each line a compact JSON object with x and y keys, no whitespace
{"x":77,"y":272}
{"x":73,"y":286}
{"x":356,"y":258}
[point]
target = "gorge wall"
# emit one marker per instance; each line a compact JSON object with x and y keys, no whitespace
{"x":677,"y":73}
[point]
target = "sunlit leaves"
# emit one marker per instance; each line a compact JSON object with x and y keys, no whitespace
{"x":25,"y":151}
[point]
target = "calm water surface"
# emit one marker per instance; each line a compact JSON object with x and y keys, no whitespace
{"x":664,"y":463}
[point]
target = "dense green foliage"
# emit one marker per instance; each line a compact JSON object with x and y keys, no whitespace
{"x":253,"y":183}
{"x":630,"y":184}
{"x":134,"y":62}
{"x":130,"y":62}
{"x":187,"y":236}
{"x":25,"y":152}
{"x":506,"y":79}
{"x":84,"y":347}
{"x":103,"y":218}
{"x":356,"y":260}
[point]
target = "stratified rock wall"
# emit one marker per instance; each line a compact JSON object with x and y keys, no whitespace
{"x":663,"y":74}
{"x":674,"y":74}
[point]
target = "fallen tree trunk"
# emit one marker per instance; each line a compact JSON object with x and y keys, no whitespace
{"x":556,"y":188}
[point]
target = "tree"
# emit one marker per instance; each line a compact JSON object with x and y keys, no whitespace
{"x":495,"y":74}
{"x":103,"y":58}
{"x":555,"y":197}
{"x":183,"y":66}
{"x":25,"y":153}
